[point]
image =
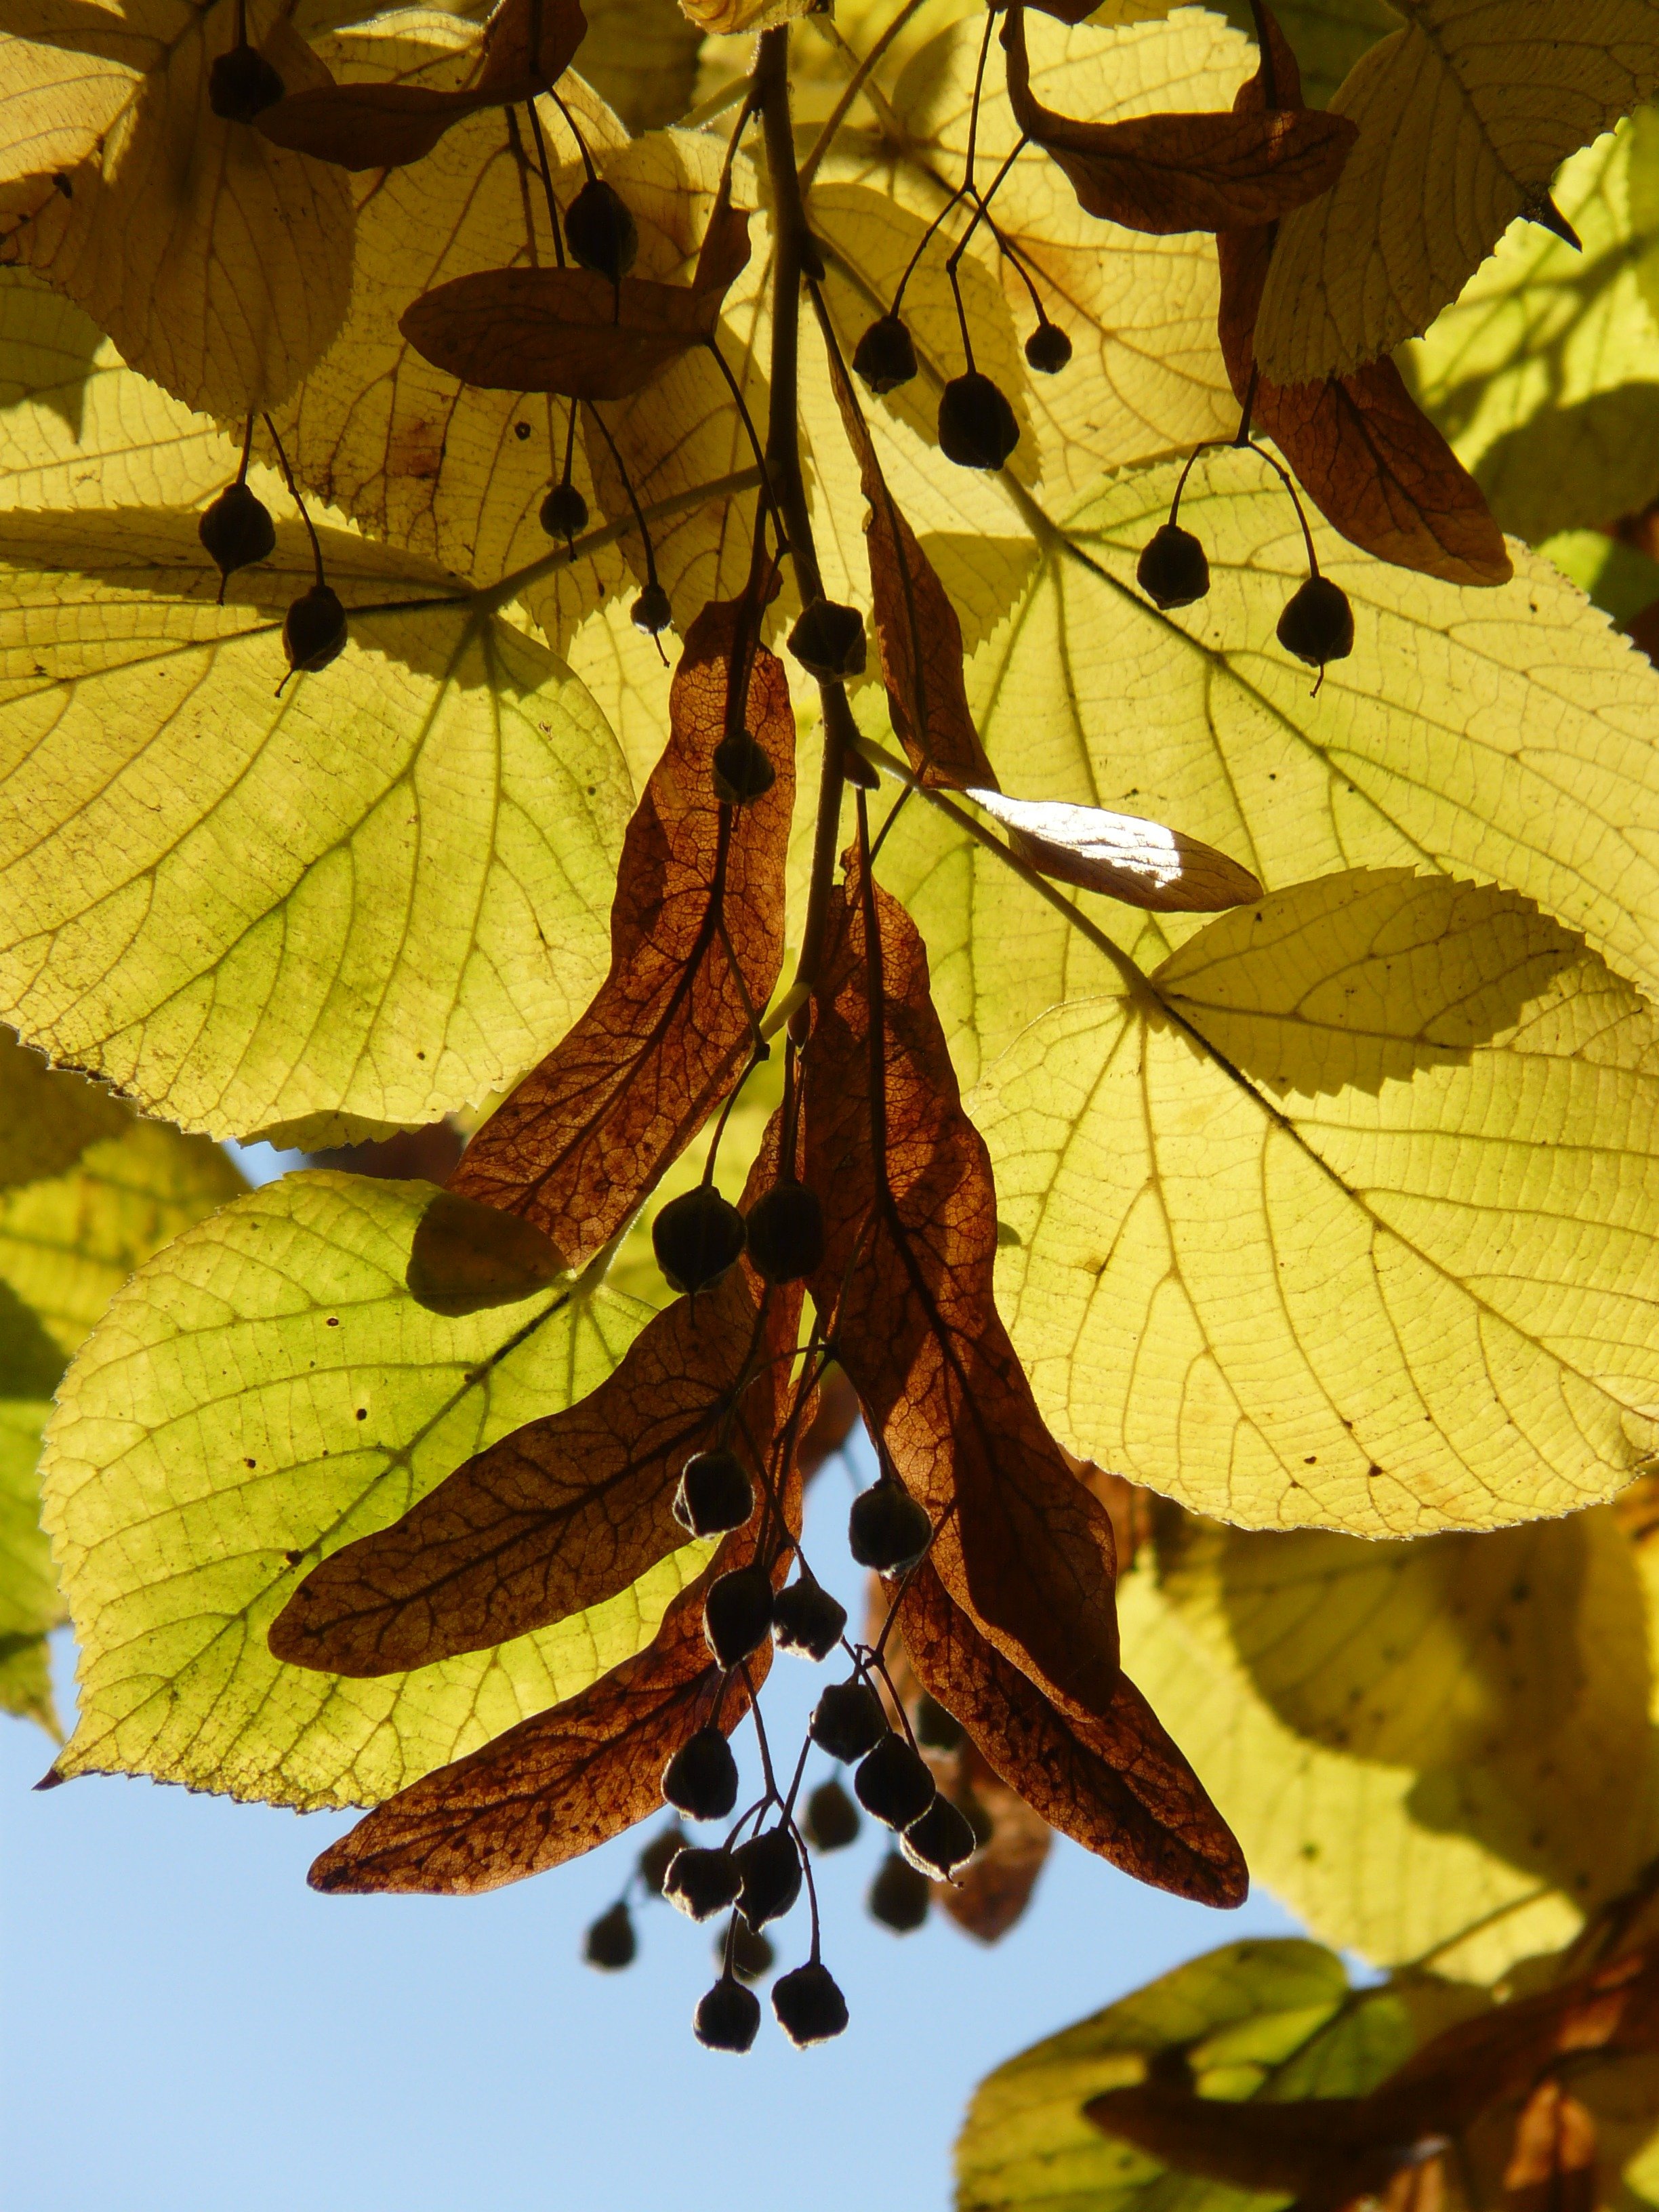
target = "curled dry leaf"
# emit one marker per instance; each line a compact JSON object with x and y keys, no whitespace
{"x":572,"y":331}
{"x":1141,"y":863}
{"x":1114,"y":1781}
{"x":1170,"y":172}
{"x":1360,"y":447}
{"x":917,"y":630}
{"x":1328,"y":2151}
{"x":904,"y":1292}
{"x":560,"y":1515}
{"x":383,"y":126}
{"x":696,"y":939}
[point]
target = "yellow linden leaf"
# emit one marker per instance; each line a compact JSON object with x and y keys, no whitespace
{"x":357,"y":905}
{"x":1343,"y":1218}
{"x":29,"y":1604}
{"x":1464,"y":116}
{"x":1545,"y":373}
{"x":1504,"y":734}
{"x":219,"y":263}
{"x":79,"y":428}
{"x":640,"y":56}
{"x":1385,"y":1843}
{"x":182,"y":1517}
{"x":47,"y":1120}
{"x":1147,"y":376}
{"x":66,"y":72}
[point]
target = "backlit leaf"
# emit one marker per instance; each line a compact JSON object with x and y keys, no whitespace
{"x":640,"y":56}
{"x":359,"y":904}
{"x":1464,"y":115}
{"x":1237,"y":1272}
{"x":29,"y":1603}
{"x":1484,"y":1860}
{"x":1501,"y":733}
{"x":219,"y":263}
{"x":1545,"y":372}
{"x":1141,"y":863}
{"x":696,"y":945}
{"x":183,"y":1517}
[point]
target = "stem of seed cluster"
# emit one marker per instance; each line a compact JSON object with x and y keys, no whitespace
{"x":294,"y":494}
{"x":796,"y":255}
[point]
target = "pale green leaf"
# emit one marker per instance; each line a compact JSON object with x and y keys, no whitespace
{"x":1487,"y":1854}
{"x":1545,"y":373}
{"x":1347,"y":1218}
{"x":29,"y":1604}
{"x":265,"y":1391}
{"x":357,"y":905}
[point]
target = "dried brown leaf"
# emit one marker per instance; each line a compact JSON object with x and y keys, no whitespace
{"x":1114,"y":1781}
{"x":383,"y":126}
{"x":905,"y":1295}
{"x":566,"y":1779}
{"x":562,"y":1514}
{"x":1141,"y":863}
{"x":1195,"y":171}
{"x":696,"y":938}
{"x":991,"y":1893}
{"x":917,"y":630}
{"x":572,"y":331}
{"x":1360,"y":447}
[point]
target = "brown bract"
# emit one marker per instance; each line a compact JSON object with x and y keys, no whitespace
{"x":696,"y":938}
{"x":528,"y":45}
{"x":904,"y":1294}
{"x":560,"y":1515}
{"x":1329,"y":2151}
{"x":916,"y":626}
{"x":1170,"y":172}
{"x":572,"y":1777}
{"x":1115,"y":1783}
{"x":572,"y":331}
{"x":1360,"y":447}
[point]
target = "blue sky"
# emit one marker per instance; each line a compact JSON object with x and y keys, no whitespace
{"x":188,"y":2028}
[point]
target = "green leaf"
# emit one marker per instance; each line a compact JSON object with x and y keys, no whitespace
{"x":1345,"y":1218}
{"x":319,"y":915}
{"x":265,"y":1391}
{"x":1270,"y":2019}
{"x":47,"y":1120}
{"x":29,"y":1604}
{"x":1328,"y":35}
{"x":1545,"y":373}
{"x":1294,"y":1671}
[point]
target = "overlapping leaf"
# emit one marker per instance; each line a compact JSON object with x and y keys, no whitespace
{"x":696,"y":944}
{"x":904,"y":1291}
{"x":1360,"y":446}
{"x":1142,"y":863}
{"x":1176,"y":172}
{"x":1237,"y":1271}
{"x":365,"y":901}
{"x":184,"y":1511}
{"x":1545,"y":373}
{"x":219,"y":263}
{"x":1463,"y":115}
{"x":383,"y":126}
